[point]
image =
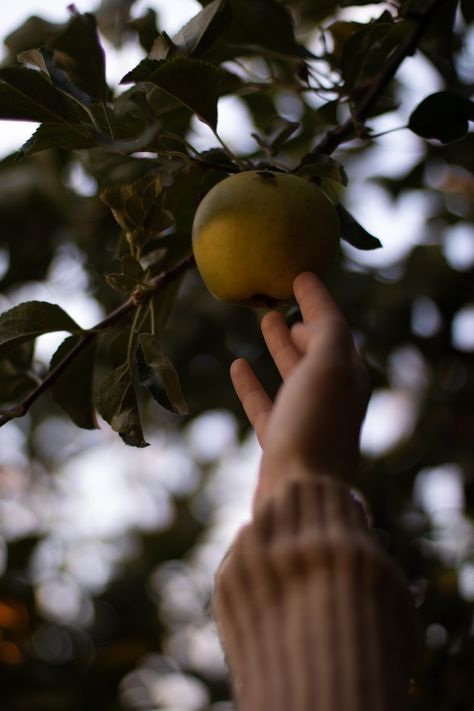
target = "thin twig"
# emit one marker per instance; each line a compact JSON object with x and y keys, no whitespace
{"x":137,"y":299}
{"x":347,"y":131}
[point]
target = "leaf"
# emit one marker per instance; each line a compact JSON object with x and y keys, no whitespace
{"x":129,"y":278}
{"x":348,"y":3}
{"x":16,"y":375}
{"x":43,"y":59}
{"x":77,"y":50}
{"x":444,"y":116}
{"x":117,"y":403}
{"x":73,"y":389}
{"x":320,"y":165}
{"x":60,"y":135}
{"x":27,"y":95}
{"x":366,"y":50}
{"x":353,"y":232}
{"x":131,"y":203}
{"x":263,"y":23}
{"x":467,"y":8}
{"x":201,"y":30}
{"x":158,"y":375}
{"x":31,"y":319}
{"x":193,"y":83}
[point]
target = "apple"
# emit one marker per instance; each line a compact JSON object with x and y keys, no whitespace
{"x":255,"y":231}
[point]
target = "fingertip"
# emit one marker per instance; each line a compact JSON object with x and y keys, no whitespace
{"x":303,"y":280}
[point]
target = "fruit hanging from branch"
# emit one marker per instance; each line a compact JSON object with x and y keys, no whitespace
{"x":255,"y":231}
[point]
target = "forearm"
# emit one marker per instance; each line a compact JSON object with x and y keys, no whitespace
{"x":313,"y":616}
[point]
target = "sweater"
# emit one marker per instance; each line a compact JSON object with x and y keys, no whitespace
{"x":312,"y":614}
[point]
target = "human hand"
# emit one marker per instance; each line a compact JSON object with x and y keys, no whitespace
{"x":314,"y":425}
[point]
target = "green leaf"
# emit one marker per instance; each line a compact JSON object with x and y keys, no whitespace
{"x":117,"y":403}
{"x":77,"y":50}
{"x":353,"y":232}
{"x":193,"y":83}
{"x":73,"y":389}
{"x":158,"y":375}
{"x":131,"y":203}
{"x":27,"y":95}
{"x":61,"y":135}
{"x":31,"y":319}
{"x":444,"y":116}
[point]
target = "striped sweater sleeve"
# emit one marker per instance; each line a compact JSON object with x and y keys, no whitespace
{"x":313,"y":616}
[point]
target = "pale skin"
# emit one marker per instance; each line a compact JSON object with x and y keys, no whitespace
{"x":313,"y":426}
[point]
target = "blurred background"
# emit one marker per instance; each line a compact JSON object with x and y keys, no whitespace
{"x":107,"y":553}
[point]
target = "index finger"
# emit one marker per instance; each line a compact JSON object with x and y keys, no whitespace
{"x":314,"y":299}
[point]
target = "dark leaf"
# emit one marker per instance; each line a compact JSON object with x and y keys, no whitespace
{"x":73,"y":389}
{"x":43,"y":59}
{"x":353,"y":232}
{"x":349,"y":3}
{"x":467,"y":7}
{"x":193,"y":83}
{"x":16,"y":374}
{"x":158,"y":375}
{"x":200,"y":32}
{"x":319,"y":165}
{"x":117,"y":403}
{"x":27,"y":95}
{"x":77,"y":50}
{"x":31,"y":319}
{"x":146,"y":28}
{"x":368,"y":49}
{"x":61,"y":135}
{"x":264,"y":24}
{"x":444,"y":116}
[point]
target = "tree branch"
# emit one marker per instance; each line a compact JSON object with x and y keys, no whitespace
{"x":347,"y":131}
{"x":138,"y":298}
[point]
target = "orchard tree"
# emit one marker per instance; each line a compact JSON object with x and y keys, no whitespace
{"x":314,"y":84}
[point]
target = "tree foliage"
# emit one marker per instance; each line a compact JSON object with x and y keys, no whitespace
{"x":315,"y":84}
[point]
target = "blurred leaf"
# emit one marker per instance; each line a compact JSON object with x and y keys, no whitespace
{"x":26,"y":94}
{"x":146,"y":28}
{"x":444,"y":116}
{"x":34,"y":32}
{"x":264,"y":24}
{"x":353,"y":232}
{"x":158,"y":375}
{"x":31,"y":319}
{"x":467,"y":8}
{"x":73,"y":389}
{"x":349,"y":3}
{"x":117,"y":403}
{"x":77,"y":50}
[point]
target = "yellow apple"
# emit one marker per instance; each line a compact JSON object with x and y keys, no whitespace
{"x":255,"y":231}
